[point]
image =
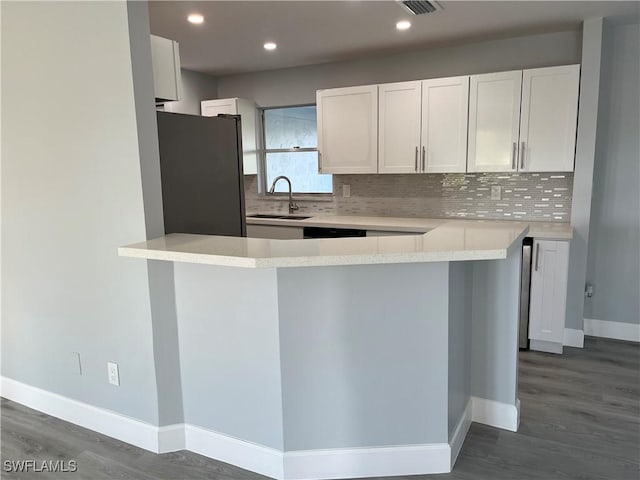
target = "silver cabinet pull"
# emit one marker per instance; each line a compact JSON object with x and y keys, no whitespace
{"x":423,"y":155}
{"x":537,"y":255}
{"x":522,"y":155}
{"x":319,"y":161}
{"x":416,"y":159}
{"x":513,"y":156}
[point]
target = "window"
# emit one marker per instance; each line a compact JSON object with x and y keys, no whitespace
{"x":291,"y":149}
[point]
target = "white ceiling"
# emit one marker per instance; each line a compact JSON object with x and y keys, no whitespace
{"x":310,"y":32}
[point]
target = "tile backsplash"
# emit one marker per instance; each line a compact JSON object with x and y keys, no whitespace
{"x":525,"y":196}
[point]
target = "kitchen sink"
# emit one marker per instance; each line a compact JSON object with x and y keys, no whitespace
{"x":279,"y":217}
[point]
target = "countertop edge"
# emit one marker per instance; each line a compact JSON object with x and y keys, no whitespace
{"x":188,"y":257}
{"x":324,"y":261}
{"x":142,"y":250}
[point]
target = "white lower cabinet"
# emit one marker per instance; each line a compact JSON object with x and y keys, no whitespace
{"x":547,"y":311}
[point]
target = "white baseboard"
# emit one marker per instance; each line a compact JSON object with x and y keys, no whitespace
{"x":100,"y":420}
{"x":548,"y":347}
{"x":460,"y":432}
{"x":615,"y":330}
{"x":368,"y":462}
{"x":171,"y":438}
{"x":321,"y":464}
{"x":496,"y":414}
{"x":573,"y":338}
{"x":247,"y":455}
{"x":294,"y":465}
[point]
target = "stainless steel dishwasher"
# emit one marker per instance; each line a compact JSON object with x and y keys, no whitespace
{"x":328,"y":232}
{"x":525,"y":289}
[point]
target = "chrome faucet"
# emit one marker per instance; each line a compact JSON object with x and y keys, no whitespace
{"x":292,"y":206}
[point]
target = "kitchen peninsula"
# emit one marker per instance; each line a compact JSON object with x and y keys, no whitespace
{"x":349,"y":357}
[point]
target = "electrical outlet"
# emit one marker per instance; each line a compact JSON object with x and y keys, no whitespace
{"x":588,"y":291}
{"x":76,"y":365}
{"x":114,"y":375}
{"x":346,"y":191}
{"x":496,"y":192}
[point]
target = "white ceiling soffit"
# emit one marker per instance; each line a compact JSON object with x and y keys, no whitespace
{"x":232,"y":36}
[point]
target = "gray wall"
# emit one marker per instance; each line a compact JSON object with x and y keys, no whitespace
{"x":363,"y":361}
{"x":298,"y":85}
{"x":195,"y":88}
{"x":71,"y":194}
{"x":494,"y":332}
{"x":160,"y":274}
{"x":583,"y":174}
{"x":614,"y":236}
{"x":229,"y":351}
{"x":460,"y":311}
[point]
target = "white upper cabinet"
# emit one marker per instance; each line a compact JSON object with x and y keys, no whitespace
{"x":494,"y":121}
{"x":445,"y":106}
{"x":224,"y":106}
{"x":248,"y":112}
{"x":348,"y":129}
{"x":549,"y":119}
{"x":524,"y":121}
{"x":167,"y":79}
{"x":549,"y":273}
{"x":423,"y":126}
{"x":399,"y":127}
{"x":497,"y":122}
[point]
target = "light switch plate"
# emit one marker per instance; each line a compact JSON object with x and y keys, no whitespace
{"x":496,"y":192}
{"x":346,"y":191}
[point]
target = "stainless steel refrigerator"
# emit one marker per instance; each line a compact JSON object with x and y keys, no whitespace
{"x":201,"y":169}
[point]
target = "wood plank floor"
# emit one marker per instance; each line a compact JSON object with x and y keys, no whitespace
{"x":580,"y":419}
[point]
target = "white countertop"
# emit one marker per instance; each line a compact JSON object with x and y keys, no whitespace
{"x":541,"y":230}
{"x":449,"y":241}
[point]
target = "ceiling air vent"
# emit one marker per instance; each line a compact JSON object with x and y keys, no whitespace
{"x":420,"y":7}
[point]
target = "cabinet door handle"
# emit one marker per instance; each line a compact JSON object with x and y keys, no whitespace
{"x":416,"y":159}
{"x":537,"y":255}
{"x":424,"y":150}
{"x":319,"y":161}
{"x":522,"y":155}
{"x":513,"y":156}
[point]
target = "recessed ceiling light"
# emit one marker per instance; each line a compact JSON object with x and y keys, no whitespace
{"x":403,"y":25}
{"x":195,"y":18}
{"x":270,"y":46}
